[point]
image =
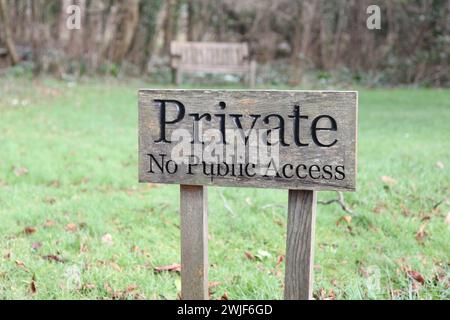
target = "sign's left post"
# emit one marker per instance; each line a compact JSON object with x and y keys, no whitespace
{"x":194,"y":242}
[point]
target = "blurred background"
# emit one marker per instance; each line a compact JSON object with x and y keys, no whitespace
{"x":75,"y":222}
{"x":293,"y":41}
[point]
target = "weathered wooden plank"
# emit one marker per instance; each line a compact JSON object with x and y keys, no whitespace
{"x":298,"y":284}
{"x":194,"y":242}
{"x":317,"y":151}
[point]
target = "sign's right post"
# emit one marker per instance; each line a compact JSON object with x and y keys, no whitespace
{"x":298,"y":284}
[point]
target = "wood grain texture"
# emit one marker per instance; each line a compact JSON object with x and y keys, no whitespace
{"x":194,"y":242}
{"x":342,"y":106}
{"x":298,"y":283}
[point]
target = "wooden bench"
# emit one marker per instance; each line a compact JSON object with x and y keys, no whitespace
{"x":212,"y":57}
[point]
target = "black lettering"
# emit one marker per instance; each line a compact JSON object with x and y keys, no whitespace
{"x":159,"y":165}
{"x":296,"y":126}
{"x":297,"y":171}
{"x":246,"y":169}
{"x":340,"y":172}
{"x":280,"y":128}
{"x":314,"y":130}
{"x":197,"y":117}
{"x":291,"y":167}
{"x":162,"y":117}
{"x":311,"y":171}
{"x":327,"y":175}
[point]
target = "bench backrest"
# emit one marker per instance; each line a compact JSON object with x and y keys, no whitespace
{"x":209,"y":56}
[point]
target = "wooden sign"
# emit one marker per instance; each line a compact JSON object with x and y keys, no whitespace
{"x":298,"y":140}
{"x":267,"y":139}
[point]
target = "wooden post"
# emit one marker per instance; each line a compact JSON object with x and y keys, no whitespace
{"x":194,"y":242}
{"x":298,"y":284}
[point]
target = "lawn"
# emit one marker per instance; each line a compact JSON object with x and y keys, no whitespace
{"x":75,"y":223}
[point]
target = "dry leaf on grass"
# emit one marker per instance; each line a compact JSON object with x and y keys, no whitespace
{"x":440,"y":165}
{"x":421,"y":233}
{"x":347,"y":219}
{"x":107,"y":239}
{"x":249,"y":255}
{"x":49,"y":223}
{"x":33,"y":285}
{"x":29,"y":230}
{"x":416,"y":276}
{"x":49,"y":200}
{"x":19,"y":171}
{"x":54,"y":258}
{"x":175,"y":267}
{"x":388,"y":181}
{"x":36,"y":245}
{"x":88,"y":286}
{"x":280,"y":260}
{"x":71,"y":227}
{"x":131,"y":288}
{"x":224,"y":296}
{"x":21,"y":265}
{"x":115,"y":266}
{"x":325,"y":295}
{"x":447,"y":218}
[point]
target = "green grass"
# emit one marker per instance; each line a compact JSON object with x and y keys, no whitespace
{"x":68,"y":154}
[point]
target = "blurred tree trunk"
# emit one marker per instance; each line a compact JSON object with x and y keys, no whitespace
{"x":128,"y":18}
{"x":4,"y":15}
{"x":302,"y":38}
{"x":63,"y":31}
{"x":95,"y":33}
{"x":197,"y":16}
{"x":168,"y":26}
{"x":77,"y":41}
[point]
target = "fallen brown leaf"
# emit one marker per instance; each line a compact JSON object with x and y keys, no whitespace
{"x":107,"y":239}
{"x":421,"y":233}
{"x":54,"y":257}
{"x":36,"y":245}
{"x":29,"y":230}
{"x":115,"y":266}
{"x":20,"y":171}
{"x":347,"y":219}
{"x":131,"y":288}
{"x":213,"y":284}
{"x":88,"y":286}
{"x":249,"y":255}
{"x":21,"y":265}
{"x":388,"y":181}
{"x":84,"y":248}
{"x":33,"y":285}
{"x":71,"y":227}
{"x":416,"y":276}
{"x":379,"y":208}
{"x":224,"y":296}
{"x":280,"y":260}
{"x":49,"y":200}
{"x":55,"y":184}
{"x":324,"y":295}
{"x":405,"y":210}
{"x":49,"y":223}
{"x":175,"y":267}
{"x":107,"y":288}
{"x":447,"y":218}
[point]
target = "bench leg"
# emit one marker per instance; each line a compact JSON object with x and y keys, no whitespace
{"x":176,"y":76}
{"x":252,"y":74}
